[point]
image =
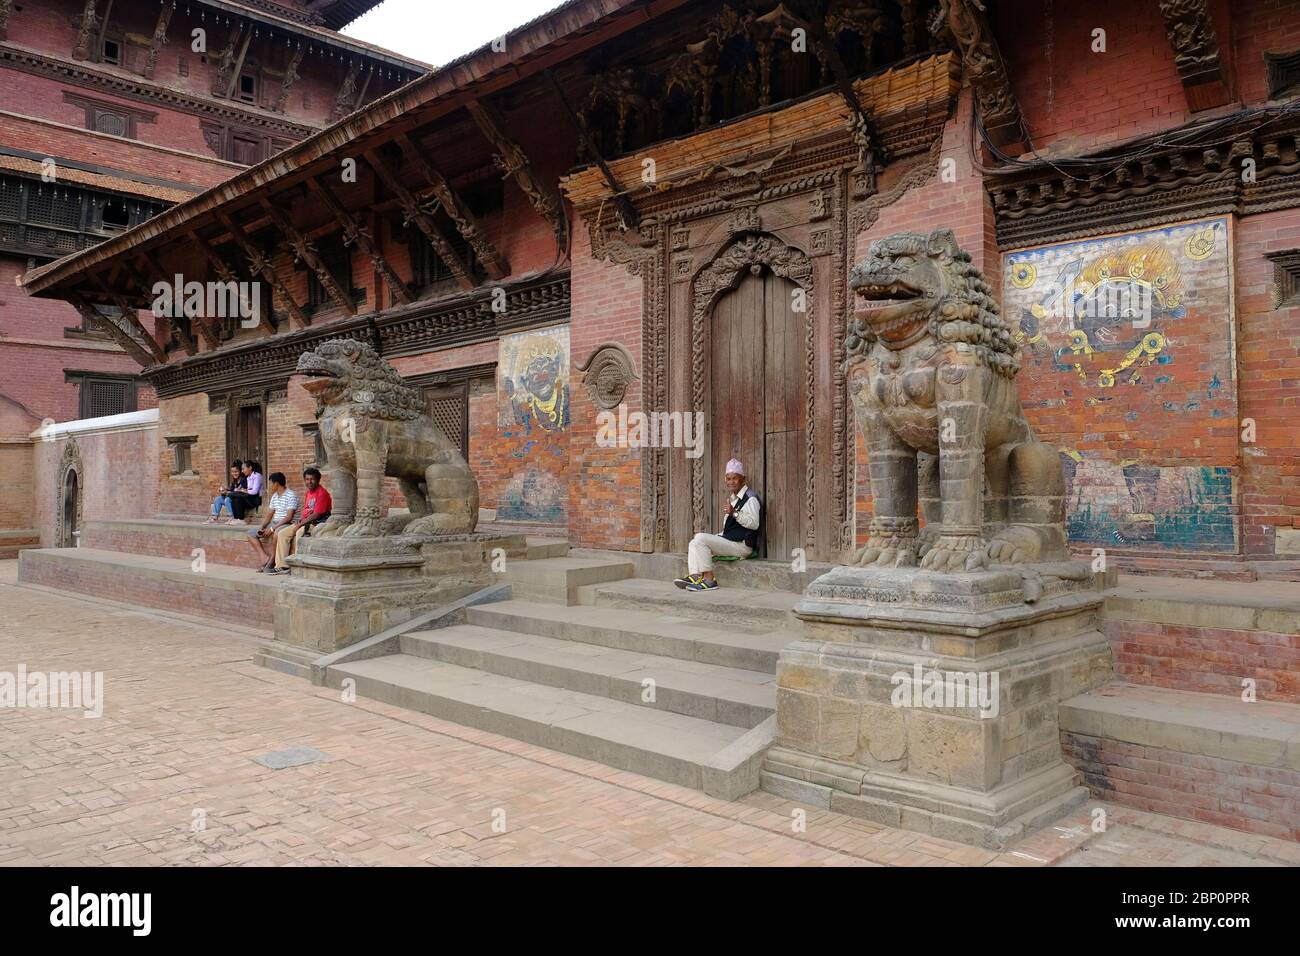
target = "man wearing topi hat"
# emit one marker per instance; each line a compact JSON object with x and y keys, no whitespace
{"x":739,"y":535}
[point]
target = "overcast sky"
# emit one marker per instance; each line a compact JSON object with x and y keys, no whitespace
{"x":437,"y":31}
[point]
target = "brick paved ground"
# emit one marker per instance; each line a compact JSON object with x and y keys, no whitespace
{"x":186,"y":712}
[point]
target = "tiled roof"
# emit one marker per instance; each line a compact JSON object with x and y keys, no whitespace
{"x":69,"y":174}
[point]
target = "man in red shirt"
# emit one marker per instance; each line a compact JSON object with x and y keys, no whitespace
{"x":315,"y":509}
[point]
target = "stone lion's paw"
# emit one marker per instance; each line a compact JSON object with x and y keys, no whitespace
{"x":955,"y":553}
{"x":363,"y":528}
{"x":1015,"y":544}
{"x":886,"y":552}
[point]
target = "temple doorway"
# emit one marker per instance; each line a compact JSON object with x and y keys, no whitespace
{"x":71,"y":504}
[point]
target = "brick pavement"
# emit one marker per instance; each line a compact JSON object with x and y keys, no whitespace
{"x":187,"y":712}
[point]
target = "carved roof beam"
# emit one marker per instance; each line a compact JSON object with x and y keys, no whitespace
{"x":159,"y":39}
{"x":99,"y":320}
{"x":1190,"y":27}
{"x":511,"y":160}
{"x":998,"y":107}
{"x":359,"y":237}
{"x":180,"y":329}
{"x":203,"y":323}
{"x":6,"y":6}
{"x":226,"y":62}
{"x":416,"y":213}
{"x":261,"y":265}
{"x":347,"y":91}
{"x":306,"y":253}
{"x":222,"y":269}
{"x":493,"y":262}
{"x":132,"y":321}
{"x":239,"y":65}
{"x":291,"y":76}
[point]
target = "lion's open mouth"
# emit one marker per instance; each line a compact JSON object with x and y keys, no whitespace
{"x":892,"y":309}
{"x":318,"y":376}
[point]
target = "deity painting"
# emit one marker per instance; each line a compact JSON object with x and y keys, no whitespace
{"x":533,"y":380}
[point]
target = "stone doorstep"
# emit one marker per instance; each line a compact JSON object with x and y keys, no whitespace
{"x":641,"y":632}
{"x":1265,"y":733}
{"x":720,"y":759}
{"x":1250,"y":606}
{"x":758,"y":573}
{"x":558,"y":580}
{"x":708,"y":691}
{"x":740,"y":606}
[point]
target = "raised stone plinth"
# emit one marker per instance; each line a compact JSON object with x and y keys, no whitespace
{"x":343,"y":590}
{"x":929,"y":701}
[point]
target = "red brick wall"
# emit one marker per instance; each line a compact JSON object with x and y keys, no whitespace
{"x":1268,"y":357}
{"x":1225,"y":793}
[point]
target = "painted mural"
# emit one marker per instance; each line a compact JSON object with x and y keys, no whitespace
{"x":533,"y":380}
{"x":1127,"y":348}
{"x":533,"y":418}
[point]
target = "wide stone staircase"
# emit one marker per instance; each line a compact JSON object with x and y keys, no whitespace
{"x":596,"y":654}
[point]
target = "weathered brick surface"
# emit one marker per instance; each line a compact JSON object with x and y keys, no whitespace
{"x":1226,"y":793}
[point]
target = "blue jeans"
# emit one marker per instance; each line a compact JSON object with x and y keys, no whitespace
{"x":222,"y":501}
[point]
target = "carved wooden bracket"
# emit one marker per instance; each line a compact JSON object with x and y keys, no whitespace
{"x":414,"y":212}
{"x":512,"y":161}
{"x":291,"y":76}
{"x":124,"y":340}
{"x":81,"y":49}
{"x":158,"y":41}
{"x":345,"y":102}
{"x":496,"y":265}
{"x":306,"y":253}
{"x":180,"y":330}
{"x":998,"y":108}
{"x":1190,"y":26}
{"x":361,"y":239}
{"x":6,"y":6}
{"x":260,"y":264}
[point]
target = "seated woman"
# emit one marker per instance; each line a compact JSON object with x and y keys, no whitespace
{"x":237,"y":482}
{"x":249,"y":498}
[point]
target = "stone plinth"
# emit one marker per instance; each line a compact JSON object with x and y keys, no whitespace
{"x":343,"y":590}
{"x":929,"y":701}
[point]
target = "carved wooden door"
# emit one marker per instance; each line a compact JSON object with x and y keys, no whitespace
{"x":759,"y":411}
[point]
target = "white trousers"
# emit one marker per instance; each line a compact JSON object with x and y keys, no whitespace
{"x":700,"y":552}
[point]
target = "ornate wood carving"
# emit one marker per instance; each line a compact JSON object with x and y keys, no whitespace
{"x":493,"y":262}
{"x":719,"y":276}
{"x":130,"y":321}
{"x":226,"y":74}
{"x":86,"y":32}
{"x":999,"y":110}
{"x":261,"y":265}
{"x":207,"y":325}
{"x":607,"y":373}
{"x":415,"y":212}
{"x":119,"y":335}
{"x":513,"y":162}
{"x":361,"y":238}
{"x":180,"y":328}
{"x":291,"y":76}
{"x":69,"y":463}
{"x":305,"y":252}
{"x":1190,"y":27}
{"x":6,"y":7}
{"x":1186,"y":181}
{"x":226,"y":274}
{"x":158,"y":40}
{"x":346,"y":99}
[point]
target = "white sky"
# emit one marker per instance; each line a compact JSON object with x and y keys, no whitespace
{"x":437,"y":31}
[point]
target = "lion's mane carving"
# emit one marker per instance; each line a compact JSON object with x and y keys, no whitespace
{"x":933,"y":370}
{"x":372,"y":424}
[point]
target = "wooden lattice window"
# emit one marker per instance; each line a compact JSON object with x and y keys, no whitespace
{"x":448,"y":406}
{"x":1286,"y":278}
{"x":1283,"y":73}
{"x":104,"y":395}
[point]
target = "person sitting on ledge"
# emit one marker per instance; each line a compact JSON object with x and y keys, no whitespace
{"x":739,"y":537}
{"x":248,"y":498}
{"x":279,"y":517}
{"x":315,"y":509}
{"x":237,"y":483}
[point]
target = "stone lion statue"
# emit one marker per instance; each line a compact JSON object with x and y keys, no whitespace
{"x":932,"y":371}
{"x":373,"y":424}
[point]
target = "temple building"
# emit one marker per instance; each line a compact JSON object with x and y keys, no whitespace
{"x":113,"y":112}
{"x":614,"y":250}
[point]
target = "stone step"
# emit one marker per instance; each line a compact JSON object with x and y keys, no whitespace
{"x":286,"y":658}
{"x":763,"y":573}
{"x":747,"y":606}
{"x":173,"y":538}
{"x":557,"y":580}
{"x":222,"y":593}
{"x":539,"y":547}
{"x":720,"y":759}
{"x":640,"y":632}
{"x":741,"y":698}
{"x":1200,"y":756}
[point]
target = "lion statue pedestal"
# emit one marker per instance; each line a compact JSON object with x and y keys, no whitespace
{"x":925,"y":689}
{"x":359,"y":574}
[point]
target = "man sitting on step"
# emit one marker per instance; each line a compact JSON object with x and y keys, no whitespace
{"x":739,"y":537}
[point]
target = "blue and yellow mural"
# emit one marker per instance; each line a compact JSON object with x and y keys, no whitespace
{"x":1127,"y":348}
{"x":533,"y":415}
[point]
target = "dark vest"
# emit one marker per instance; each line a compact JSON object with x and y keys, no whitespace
{"x":733,"y":530}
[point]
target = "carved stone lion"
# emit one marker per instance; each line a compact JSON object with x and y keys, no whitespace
{"x":373,"y":424}
{"x":932,"y":371}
